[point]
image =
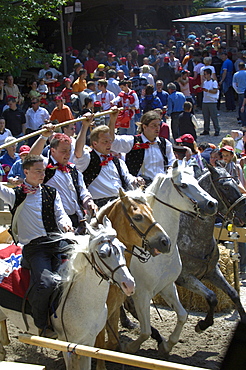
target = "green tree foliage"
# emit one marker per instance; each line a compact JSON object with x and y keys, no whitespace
{"x":18,"y":19}
{"x":198,"y":4}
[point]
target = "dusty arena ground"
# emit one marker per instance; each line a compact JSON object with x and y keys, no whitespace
{"x":202,"y":350}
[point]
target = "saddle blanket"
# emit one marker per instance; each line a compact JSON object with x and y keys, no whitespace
{"x":13,"y":277}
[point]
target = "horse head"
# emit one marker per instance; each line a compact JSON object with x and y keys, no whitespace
{"x":108,"y":256}
{"x":140,"y":225}
{"x":232,"y":204}
{"x":180,"y":191}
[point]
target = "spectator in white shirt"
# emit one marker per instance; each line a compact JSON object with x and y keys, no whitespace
{"x":36,"y":116}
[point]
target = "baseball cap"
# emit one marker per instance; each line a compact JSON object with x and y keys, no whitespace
{"x":101,"y":66}
{"x":166,"y":59}
{"x":10,"y":98}
{"x":186,"y":138}
{"x":58,"y":97}
{"x":110,"y":54}
{"x":69,"y":48}
{"x":24,"y":149}
{"x":227,"y":148}
{"x":123,"y":59}
{"x":97,"y":103}
{"x":67,"y":80}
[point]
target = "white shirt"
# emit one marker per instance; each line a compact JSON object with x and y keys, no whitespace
{"x":105,"y":99}
{"x":63,"y":183}
{"x":153,"y":158}
{"x":30,"y":223}
{"x":108,"y":182}
{"x":5,"y":134}
{"x":208,"y":97}
{"x":35,"y":119}
{"x":113,"y":86}
{"x":126,"y":103}
{"x":212,"y":69}
{"x":55,"y":73}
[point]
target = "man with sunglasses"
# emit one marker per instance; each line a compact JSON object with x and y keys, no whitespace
{"x":36,"y":116}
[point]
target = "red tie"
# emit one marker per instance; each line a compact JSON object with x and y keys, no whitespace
{"x":59,"y":166}
{"x":28,"y":189}
{"x":107,"y":158}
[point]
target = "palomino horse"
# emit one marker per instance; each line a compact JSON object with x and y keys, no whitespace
{"x":168,"y":195}
{"x":97,"y":260}
{"x":197,"y":246}
{"x":133,"y":220}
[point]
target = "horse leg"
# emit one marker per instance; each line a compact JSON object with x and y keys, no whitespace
{"x":4,"y":339}
{"x":196,"y":286}
{"x":142,"y":306}
{"x":170,"y":294}
{"x":125,"y":321}
{"x":218,"y":279}
{"x":76,"y":362}
{"x":100,"y":343}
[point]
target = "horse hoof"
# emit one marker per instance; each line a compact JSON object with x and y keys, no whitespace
{"x":129,"y":348}
{"x":163,"y":350}
{"x":198,"y":329}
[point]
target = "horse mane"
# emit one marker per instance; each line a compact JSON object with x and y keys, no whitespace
{"x":153,"y":187}
{"x":136,"y":195}
{"x":80,"y":246}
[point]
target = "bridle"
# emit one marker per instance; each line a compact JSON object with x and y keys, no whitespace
{"x":195,"y":214}
{"x":229,"y":207}
{"x":99,"y":272}
{"x":144,"y":255}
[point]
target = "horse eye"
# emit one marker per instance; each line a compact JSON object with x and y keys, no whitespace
{"x":138,"y":218}
{"x":183,"y":186}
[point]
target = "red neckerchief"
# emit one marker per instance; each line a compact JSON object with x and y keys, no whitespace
{"x":141,"y":145}
{"x":58,"y":166}
{"x":29,"y":189}
{"x":107,"y":158}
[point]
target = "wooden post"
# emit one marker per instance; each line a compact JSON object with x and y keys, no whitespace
{"x":101,"y":354}
{"x":39,"y":132}
{"x":236,"y":264}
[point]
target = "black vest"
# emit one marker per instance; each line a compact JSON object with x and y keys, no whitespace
{"x":49,"y":173}
{"x":135,"y":158}
{"x":48,"y":212}
{"x":94,"y":168}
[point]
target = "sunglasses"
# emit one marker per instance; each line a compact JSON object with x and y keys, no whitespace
{"x":34,"y":102}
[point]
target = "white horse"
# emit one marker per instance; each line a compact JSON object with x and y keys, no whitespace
{"x":168,"y":195}
{"x":98,"y":259}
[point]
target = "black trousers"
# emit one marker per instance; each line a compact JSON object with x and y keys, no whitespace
{"x":44,"y":258}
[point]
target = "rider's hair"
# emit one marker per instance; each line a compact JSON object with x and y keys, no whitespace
{"x":103,"y":129}
{"x":30,"y":160}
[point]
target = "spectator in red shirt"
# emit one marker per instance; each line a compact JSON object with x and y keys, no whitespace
{"x":91,"y":64}
{"x":67,"y":92}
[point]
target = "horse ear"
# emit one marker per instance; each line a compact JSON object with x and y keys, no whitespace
{"x":211,"y":168}
{"x":175,"y":163}
{"x":122,"y":194}
{"x":106,"y":222}
{"x":90,"y":230}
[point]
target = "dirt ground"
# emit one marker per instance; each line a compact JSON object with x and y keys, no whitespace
{"x":202,"y":350}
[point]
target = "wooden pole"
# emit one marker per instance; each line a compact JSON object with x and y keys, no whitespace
{"x":39,"y":132}
{"x":236,"y":265}
{"x":101,"y":354}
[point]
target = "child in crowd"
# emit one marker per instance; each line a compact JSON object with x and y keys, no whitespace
{"x":237,"y":136}
{"x":215,"y":156}
{"x":43,"y":90}
{"x":67,"y":92}
{"x":164,"y":130}
{"x":187,"y":121}
{"x":51,"y":82}
{"x":231,"y":167}
{"x":34,"y":93}
{"x":16,"y":174}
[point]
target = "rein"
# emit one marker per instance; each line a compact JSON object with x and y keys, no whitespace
{"x":229,"y":207}
{"x":190,"y":214}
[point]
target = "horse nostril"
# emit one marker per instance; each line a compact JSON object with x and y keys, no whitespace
{"x":165,"y":242}
{"x":211,"y":204}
